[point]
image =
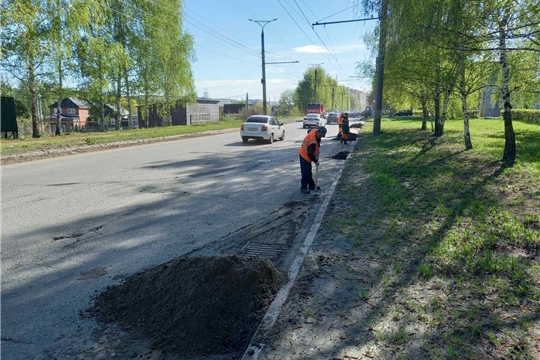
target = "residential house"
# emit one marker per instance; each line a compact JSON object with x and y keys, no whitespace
{"x":74,"y":114}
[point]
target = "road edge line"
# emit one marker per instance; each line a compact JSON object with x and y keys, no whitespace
{"x":275,"y":307}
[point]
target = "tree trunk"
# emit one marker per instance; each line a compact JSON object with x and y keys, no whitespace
{"x":118,"y":103}
{"x":146,"y":115}
{"x":509,"y":155}
{"x":424,"y":114}
{"x":439,"y":125}
{"x":102,"y":105}
{"x":33,"y":101}
{"x":130,"y":124}
{"x":446,"y":100}
{"x":466,"y":132}
{"x":464,"y":106}
{"x":59,"y":107}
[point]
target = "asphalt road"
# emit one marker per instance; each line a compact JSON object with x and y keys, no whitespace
{"x":73,"y":225}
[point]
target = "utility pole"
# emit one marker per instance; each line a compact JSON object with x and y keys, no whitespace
{"x":315,"y":87}
{"x":377,"y":109}
{"x":332,"y":108}
{"x":262,"y":24}
{"x":380,"y":70}
{"x":246,"y":107}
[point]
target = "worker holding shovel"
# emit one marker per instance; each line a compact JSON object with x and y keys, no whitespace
{"x":309,"y":152}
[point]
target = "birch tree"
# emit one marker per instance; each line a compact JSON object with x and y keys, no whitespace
{"x":23,"y":54}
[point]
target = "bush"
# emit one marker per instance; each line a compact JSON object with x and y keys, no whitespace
{"x":474,"y":114}
{"x":526,"y":115}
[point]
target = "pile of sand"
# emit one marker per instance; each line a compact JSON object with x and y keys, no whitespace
{"x":194,"y":306}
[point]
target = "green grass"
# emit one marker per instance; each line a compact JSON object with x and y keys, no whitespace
{"x":465,"y":222}
{"x":9,"y":147}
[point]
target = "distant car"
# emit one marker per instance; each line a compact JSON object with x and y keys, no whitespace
{"x":404,"y":113}
{"x":313,"y":120}
{"x":332,"y":118}
{"x":262,"y":127}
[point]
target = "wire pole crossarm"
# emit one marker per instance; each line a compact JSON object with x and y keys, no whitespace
{"x":343,"y":21}
{"x":283,"y":62}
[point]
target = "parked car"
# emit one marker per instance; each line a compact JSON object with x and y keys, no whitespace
{"x":262,"y":127}
{"x":332,"y":118}
{"x":313,"y":120}
{"x":404,"y":113}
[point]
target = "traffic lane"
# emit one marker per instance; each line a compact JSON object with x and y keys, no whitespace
{"x":161,"y":206}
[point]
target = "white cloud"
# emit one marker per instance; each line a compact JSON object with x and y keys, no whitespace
{"x":311,"y":49}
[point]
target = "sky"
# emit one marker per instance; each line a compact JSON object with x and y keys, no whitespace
{"x":228,"y":45}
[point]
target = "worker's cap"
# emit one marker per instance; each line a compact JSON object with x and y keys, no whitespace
{"x":322,"y":130}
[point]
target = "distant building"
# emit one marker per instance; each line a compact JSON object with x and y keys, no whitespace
{"x":73,"y":114}
{"x":203,"y":111}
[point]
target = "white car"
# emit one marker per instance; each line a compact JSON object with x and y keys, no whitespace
{"x":262,"y":127}
{"x":313,"y":120}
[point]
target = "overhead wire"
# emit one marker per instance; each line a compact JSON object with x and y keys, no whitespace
{"x":317,"y":34}
{"x":339,"y":12}
{"x":195,"y":44}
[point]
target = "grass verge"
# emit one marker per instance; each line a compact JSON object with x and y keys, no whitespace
{"x":456,"y":235}
{"x":21,"y":146}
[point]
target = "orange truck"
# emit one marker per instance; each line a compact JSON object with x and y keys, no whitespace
{"x":315,"y":109}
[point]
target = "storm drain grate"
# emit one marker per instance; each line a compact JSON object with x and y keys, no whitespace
{"x":270,"y":251}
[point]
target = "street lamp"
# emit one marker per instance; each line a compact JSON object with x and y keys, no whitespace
{"x":262,"y":24}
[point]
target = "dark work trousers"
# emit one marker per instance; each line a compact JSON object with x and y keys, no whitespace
{"x":307,"y":177}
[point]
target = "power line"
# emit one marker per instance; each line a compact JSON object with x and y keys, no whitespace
{"x":231,"y":57}
{"x":339,"y":12}
{"x":250,"y":52}
{"x":326,"y":47}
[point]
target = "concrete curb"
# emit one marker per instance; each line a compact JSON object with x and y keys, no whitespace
{"x":254,"y":350}
{"x":70,"y":150}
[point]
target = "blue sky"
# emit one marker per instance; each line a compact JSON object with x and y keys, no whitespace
{"x":228,"y":45}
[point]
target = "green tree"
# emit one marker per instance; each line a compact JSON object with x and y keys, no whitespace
{"x":23,"y":54}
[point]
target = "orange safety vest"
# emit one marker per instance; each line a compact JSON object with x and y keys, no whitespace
{"x":340,"y":122}
{"x":310,"y":139}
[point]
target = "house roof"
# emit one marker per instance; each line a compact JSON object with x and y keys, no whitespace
{"x":123,"y":111}
{"x":70,"y":102}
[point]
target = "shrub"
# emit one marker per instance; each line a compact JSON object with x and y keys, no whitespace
{"x":474,"y":114}
{"x":526,"y":115}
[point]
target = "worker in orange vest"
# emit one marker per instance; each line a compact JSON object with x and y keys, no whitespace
{"x":345,"y":129}
{"x":309,"y":153}
{"x":340,"y":123}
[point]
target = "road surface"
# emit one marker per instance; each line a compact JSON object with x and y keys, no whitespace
{"x":73,"y":225}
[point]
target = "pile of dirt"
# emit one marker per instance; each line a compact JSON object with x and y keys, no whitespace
{"x":342,"y":155}
{"x":194,"y":306}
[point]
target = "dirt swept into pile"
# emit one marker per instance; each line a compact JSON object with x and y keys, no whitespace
{"x":342,"y":155}
{"x":194,"y":306}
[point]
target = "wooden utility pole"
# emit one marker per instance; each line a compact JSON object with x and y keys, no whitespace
{"x":246,"y":107}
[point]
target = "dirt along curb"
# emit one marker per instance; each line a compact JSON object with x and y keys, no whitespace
{"x":79,"y":149}
{"x":267,"y":325}
{"x":324,"y":316}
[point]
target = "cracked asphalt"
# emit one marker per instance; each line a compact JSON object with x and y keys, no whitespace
{"x":73,"y":225}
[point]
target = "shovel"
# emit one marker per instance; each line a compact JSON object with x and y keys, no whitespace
{"x":316,"y":192}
